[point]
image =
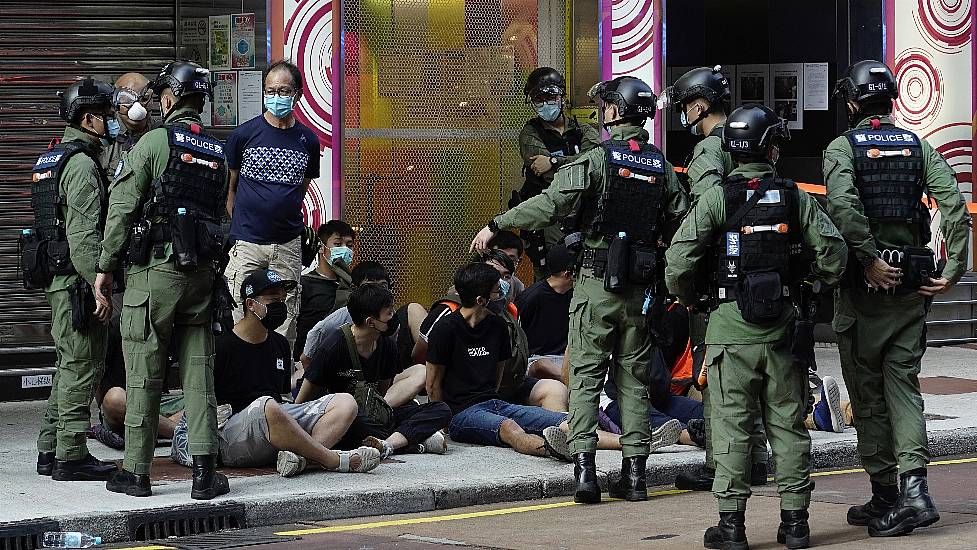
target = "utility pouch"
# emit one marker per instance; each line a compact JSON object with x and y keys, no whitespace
{"x":643,"y":260}
{"x":33,"y":261}
{"x":760,"y":297}
{"x":918,"y":266}
{"x":616,"y":273}
{"x":59,"y":258}
{"x":184,"y":233}
{"x":210,"y":241}
{"x":139,"y":243}
{"x":82,"y":301}
{"x":221,"y":307}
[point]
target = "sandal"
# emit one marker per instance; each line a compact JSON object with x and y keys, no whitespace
{"x":369,"y":459}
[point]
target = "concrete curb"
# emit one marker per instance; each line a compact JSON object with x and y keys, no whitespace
{"x":425,"y":497}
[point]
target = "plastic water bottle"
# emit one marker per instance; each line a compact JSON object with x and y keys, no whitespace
{"x":69,"y":539}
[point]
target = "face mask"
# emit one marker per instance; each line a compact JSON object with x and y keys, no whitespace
{"x":694,"y":125}
{"x":279,"y":106}
{"x":496,"y":306}
{"x":504,"y":287}
{"x":549,"y":111}
{"x":113,"y":127}
{"x":341,"y":253}
{"x":137,"y":112}
{"x":392,"y":325}
{"x":275,"y":314}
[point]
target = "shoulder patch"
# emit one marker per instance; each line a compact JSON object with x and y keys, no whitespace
{"x":638,"y":160}
{"x":882,"y":138}
{"x":48,"y":160}
{"x":185,"y":139}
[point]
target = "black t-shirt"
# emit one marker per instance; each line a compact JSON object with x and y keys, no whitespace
{"x":244,"y":372}
{"x":331,"y":367}
{"x":470,"y":356}
{"x":545,"y":317}
{"x":318,"y":301}
{"x":438,"y":311}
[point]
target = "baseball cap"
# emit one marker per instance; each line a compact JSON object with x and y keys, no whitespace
{"x":261,"y":280}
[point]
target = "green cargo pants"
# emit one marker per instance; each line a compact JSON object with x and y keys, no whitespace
{"x":750,"y":381}
{"x":603,"y":324}
{"x":81,"y":363}
{"x":161,"y":303}
{"x":881,"y":339}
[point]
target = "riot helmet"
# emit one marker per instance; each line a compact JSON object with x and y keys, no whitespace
{"x":85,"y":93}
{"x":635,"y":100}
{"x":867,"y":82}
{"x":752,"y":130}
{"x":183,"y":78}
{"x":703,"y":82}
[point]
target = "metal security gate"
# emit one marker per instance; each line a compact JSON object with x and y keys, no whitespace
{"x":44,"y":46}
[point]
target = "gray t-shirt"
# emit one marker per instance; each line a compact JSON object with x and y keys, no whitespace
{"x":323,"y":328}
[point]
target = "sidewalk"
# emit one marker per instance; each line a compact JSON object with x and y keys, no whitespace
{"x":413,"y":483}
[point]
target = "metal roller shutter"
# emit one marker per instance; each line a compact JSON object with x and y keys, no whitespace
{"x":44,"y":46}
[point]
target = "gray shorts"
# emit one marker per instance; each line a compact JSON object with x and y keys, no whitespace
{"x":244,"y":440}
{"x":558,"y":359}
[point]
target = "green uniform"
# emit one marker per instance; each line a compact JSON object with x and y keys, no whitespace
{"x":160,"y":303}
{"x":707,"y":169}
{"x":751,"y":372}
{"x":882,"y":337}
{"x":80,"y":354}
{"x":601,"y":323}
{"x":125,"y":141}
{"x":532,"y":143}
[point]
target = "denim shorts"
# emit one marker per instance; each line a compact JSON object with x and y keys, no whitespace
{"x":479,"y":424}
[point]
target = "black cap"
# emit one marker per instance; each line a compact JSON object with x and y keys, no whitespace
{"x":545,"y":80}
{"x":633,"y":97}
{"x":867,"y":79}
{"x":707,"y":83}
{"x":263,"y":279}
{"x":559,"y":259}
{"x":87,"y":92}
{"x":752,"y":128}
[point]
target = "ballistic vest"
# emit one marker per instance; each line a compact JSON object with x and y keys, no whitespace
{"x":567,"y":145}
{"x":46,"y":199}
{"x":193,"y":178}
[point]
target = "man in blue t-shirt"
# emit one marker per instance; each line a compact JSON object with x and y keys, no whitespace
{"x":272,"y":158}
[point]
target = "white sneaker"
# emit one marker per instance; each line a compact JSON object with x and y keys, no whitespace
{"x":224,"y":412}
{"x":435,"y":444}
{"x":831,"y":394}
{"x":290,"y":464}
{"x":666,"y":434}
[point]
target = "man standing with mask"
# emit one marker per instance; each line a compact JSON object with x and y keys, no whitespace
{"x":548,"y":141}
{"x":164,"y":208}
{"x":272,"y":158}
{"x":629,"y":200}
{"x":130,"y":103}
{"x":69,"y":197}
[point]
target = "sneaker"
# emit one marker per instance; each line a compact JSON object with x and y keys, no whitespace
{"x":556,"y":443}
{"x":290,"y":464}
{"x":180,"y":446}
{"x":104,"y":435}
{"x":224,"y":413}
{"x":435,"y":444}
{"x":666,"y":434}
{"x":827,"y":413}
{"x":697,"y":431}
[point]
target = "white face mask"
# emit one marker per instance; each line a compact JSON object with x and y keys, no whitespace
{"x":137,"y":112}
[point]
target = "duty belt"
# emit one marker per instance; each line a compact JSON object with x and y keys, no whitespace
{"x":160,"y":233}
{"x":595,"y":259}
{"x":728,"y":294}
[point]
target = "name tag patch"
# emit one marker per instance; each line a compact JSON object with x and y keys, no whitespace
{"x":199,"y":143}
{"x":47,"y":161}
{"x":770,"y":197}
{"x":883,"y":138}
{"x":646,"y":161}
{"x":732,"y":243}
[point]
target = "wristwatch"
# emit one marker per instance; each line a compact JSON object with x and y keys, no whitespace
{"x":493,"y":227}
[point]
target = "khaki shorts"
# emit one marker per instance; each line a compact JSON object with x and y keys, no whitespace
{"x":244,"y":440}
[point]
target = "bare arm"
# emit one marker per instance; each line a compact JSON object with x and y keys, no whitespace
{"x":435,"y":375}
{"x":309,"y":392}
{"x":232,"y":190}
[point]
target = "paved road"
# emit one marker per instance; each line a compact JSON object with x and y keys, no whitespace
{"x":670,"y":519}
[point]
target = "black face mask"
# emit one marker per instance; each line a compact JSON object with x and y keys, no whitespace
{"x":496,"y":306}
{"x":275,"y":315}
{"x":392,"y":325}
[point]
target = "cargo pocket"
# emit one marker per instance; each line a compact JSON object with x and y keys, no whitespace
{"x":710,"y":366}
{"x":577,"y":320}
{"x":842,"y":322}
{"x":135,"y":315}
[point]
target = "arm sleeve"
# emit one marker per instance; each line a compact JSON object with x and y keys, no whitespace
{"x":438,"y":346}
{"x":318,"y":371}
{"x":678,"y":202}
{"x":557,"y":200}
{"x":955,"y":221}
{"x":819,"y":233}
{"x":80,"y":184}
{"x":505,"y":343}
{"x":844,"y":205}
{"x":691,"y":243}
{"x":125,"y":198}
{"x":530,"y":145}
{"x":438,"y":312}
{"x":526,"y":304}
{"x":705,"y":170}
{"x":233,"y":150}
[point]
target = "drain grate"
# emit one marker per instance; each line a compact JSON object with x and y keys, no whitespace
{"x":228,"y":539}
{"x":25,"y":535}
{"x":185,"y":521}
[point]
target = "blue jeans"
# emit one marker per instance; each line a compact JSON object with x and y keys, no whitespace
{"x":681,"y":408}
{"x":480,"y":423}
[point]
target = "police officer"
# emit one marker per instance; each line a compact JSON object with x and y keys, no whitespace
{"x":745,"y":234}
{"x":548,"y":141}
{"x":68,"y":196}
{"x":168,"y":194}
{"x":701,"y":97}
{"x":875,"y":175}
{"x":629,"y":198}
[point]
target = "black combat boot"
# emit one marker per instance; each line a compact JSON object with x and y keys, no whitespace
{"x":730,"y":534}
{"x":699,"y":480}
{"x":45,"y":463}
{"x":915,"y":508}
{"x":134,"y":485}
{"x":793,"y":530}
{"x":758,"y":474}
{"x":631,"y":486}
{"x":83,"y":469}
{"x":207,"y":483}
{"x":585,"y":472}
{"x":884,"y":498}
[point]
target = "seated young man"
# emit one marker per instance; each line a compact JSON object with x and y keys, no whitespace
{"x":250,"y":373}
{"x":512,"y":246}
{"x":544,"y":314}
{"x":325,"y":289}
{"x":360,"y":359}
{"x":517,"y":387}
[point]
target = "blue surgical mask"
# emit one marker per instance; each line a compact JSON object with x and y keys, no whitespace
{"x":549,"y":110}
{"x":279,"y":106}
{"x":112,"y":124}
{"x":504,"y":287}
{"x":341,"y":253}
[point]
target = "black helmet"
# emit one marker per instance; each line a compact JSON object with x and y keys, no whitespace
{"x":752,"y":129}
{"x":633,"y":97}
{"x":867,"y":79}
{"x":183,"y":78}
{"x":545,"y":80}
{"x":87,"y":92}
{"x":709,"y":84}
